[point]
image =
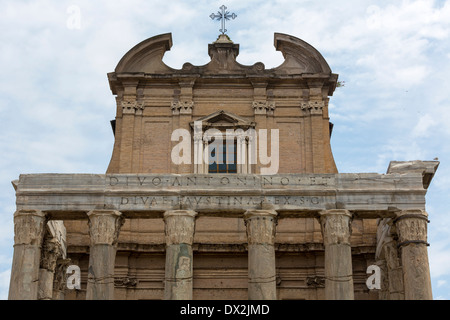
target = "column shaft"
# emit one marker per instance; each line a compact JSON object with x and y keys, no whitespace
{"x":28,"y":236}
{"x":261,"y":228}
{"x":179,"y":229}
{"x":104,"y":228}
{"x":412,"y":231}
{"x":338,"y":255}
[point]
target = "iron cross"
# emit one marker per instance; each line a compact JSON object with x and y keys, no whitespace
{"x":224,"y":15}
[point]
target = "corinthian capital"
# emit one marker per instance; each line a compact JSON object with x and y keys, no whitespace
{"x":132,"y":106}
{"x":182,"y":107}
{"x":412,"y":226}
{"x":104,"y":226}
{"x":263,"y":107}
{"x":49,"y":254}
{"x":314,"y":107}
{"x":336,"y":226}
{"x":261,"y":226}
{"x":29,"y":227}
{"x":179,"y":226}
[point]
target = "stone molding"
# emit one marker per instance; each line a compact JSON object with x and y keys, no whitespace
{"x":29,"y":227}
{"x":179,"y":226}
{"x":261,"y":226}
{"x":336,"y":226}
{"x":104,"y":226}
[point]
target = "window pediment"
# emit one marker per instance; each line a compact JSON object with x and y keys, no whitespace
{"x":223,"y":119}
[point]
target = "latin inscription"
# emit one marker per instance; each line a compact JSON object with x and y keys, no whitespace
{"x":219,"y":181}
{"x":219,"y":201}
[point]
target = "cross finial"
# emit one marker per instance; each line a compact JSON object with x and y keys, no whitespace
{"x":223,"y":15}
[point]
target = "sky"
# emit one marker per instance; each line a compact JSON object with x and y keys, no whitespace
{"x":394,"y":57}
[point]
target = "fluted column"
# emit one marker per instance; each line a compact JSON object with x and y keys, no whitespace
{"x":261,"y":228}
{"x":104,"y":228}
{"x":336,"y":230}
{"x":412,"y":231}
{"x":28,"y":236}
{"x":179,"y":230}
{"x":49,"y":255}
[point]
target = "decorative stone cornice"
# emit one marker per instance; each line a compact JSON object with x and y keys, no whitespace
{"x":179,"y":226}
{"x":261,"y":226}
{"x":336,"y":226}
{"x":263,"y":107}
{"x":132,"y":107}
{"x":314,"y":107}
{"x":182,"y":107}
{"x":104,"y":226}
{"x":29,"y":227}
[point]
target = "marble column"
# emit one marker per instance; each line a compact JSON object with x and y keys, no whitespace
{"x":261,"y":228}
{"x":336,"y":230}
{"x":179,"y":230}
{"x":49,"y":255}
{"x":412,"y":232}
{"x":104,"y":228}
{"x":29,"y":228}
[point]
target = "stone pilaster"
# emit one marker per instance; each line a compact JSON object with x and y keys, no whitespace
{"x":261,"y":229}
{"x":412,"y":232}
{"x":29,"y":228}
{"x":49,"y":255}
{"x":104,"y":228}
{"x":336,"y":231}
{"x":179,"y":230}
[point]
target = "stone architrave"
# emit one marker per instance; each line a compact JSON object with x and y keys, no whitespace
{"x":261,"y":229}
{"x":336,"y":231}
{"x":412,"y":231}
{"x":104,"y":228}
{"x":29,"y":228}
{"x":179,"y":230}
{"x":49,"y":256}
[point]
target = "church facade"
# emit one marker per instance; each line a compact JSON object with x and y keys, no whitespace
{"x":222,"y":185}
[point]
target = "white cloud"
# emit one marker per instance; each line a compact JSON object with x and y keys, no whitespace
{"x":441,"y":283}
{"x":425,"y":124}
